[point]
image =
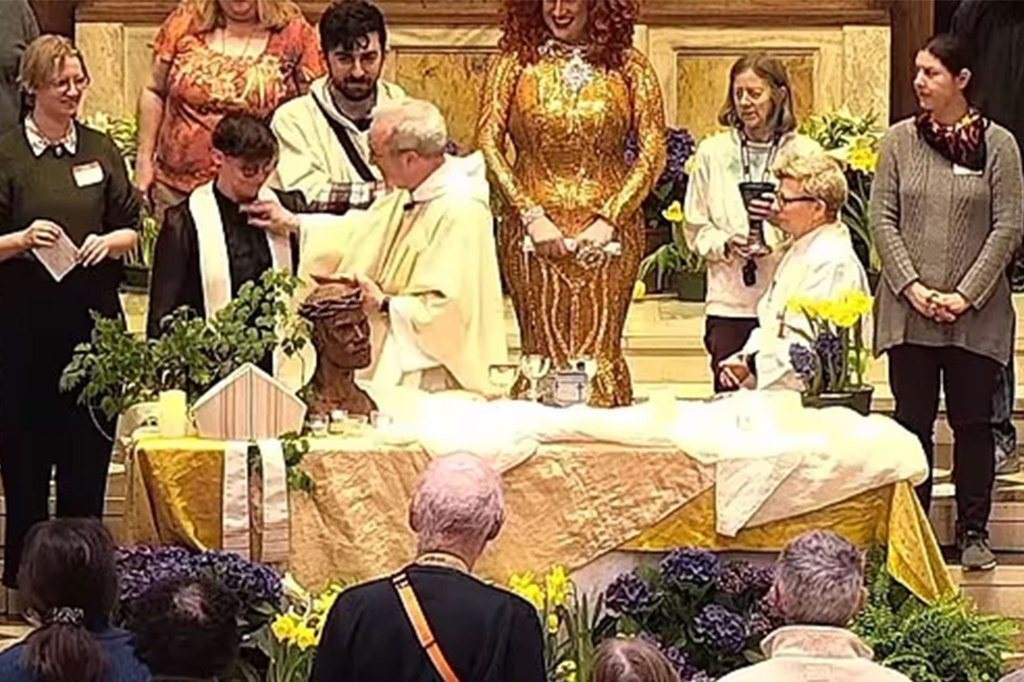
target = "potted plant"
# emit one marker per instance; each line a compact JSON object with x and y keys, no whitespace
{"x":662,"y":217}
{"x":833,"y":361}
{"x":854,"y":142}
{"x":117,"y":369}
{"x":675,"y":266}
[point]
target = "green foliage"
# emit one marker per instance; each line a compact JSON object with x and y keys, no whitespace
{"x":853,"y":141}
{"x":948,"y":641}
{"x":296,"y":447}
{"x":118,"y":369}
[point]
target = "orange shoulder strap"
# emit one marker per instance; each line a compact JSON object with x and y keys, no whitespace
{"x":414,"y":612}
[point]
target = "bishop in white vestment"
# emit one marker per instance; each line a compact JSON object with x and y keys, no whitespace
{"x":424,"y":255}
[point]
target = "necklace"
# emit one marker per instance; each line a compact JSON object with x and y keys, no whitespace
{"x":577,"y":72}
{"x":443,"y":559}
{"x":224,"y":44}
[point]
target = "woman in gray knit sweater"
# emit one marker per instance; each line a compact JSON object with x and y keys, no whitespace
{"x":946,"y":210}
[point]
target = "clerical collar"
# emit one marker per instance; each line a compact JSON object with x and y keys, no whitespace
{"x":444,"y":560}
{"x":40,"y":143}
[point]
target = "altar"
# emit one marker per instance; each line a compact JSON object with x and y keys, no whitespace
{"x":569,"y":502}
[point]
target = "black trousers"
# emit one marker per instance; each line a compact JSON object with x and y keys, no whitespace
{"x":42,"y":429}
{"x":723,"y":337}
{"x":968,"y":383}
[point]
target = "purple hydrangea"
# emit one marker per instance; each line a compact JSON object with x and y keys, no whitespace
{"x":690,"y":565}
{"x":742,"y":577}
{"x":139,"y":568}
{"x":804,"y":361}
{"x":721,"y":628}
{"x":679,"y":146}
{"x":698,"y":676}
{"x":680,"y":149}
{"x":628,"y":594}
{"x":679,"y":661}
{"x":764,"y":618}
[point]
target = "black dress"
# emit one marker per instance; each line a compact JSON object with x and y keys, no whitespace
{"x":487,"y":634}
{"x":41,"y":321}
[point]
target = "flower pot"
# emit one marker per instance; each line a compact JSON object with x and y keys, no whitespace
{"x":136,"y":278}
{"x":689,"y":286}
{"x":858,"y":399}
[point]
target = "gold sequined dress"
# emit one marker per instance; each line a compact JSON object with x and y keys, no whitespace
{"x":568,"y":123}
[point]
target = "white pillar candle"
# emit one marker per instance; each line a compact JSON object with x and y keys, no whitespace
{"x":172,"y":415}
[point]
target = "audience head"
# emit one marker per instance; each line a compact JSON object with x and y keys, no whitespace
{"x":245,"y":151}
{"x":341,"y":330}
{"x":760,"y":99}
{"x":67,"y":583}
{"x":604,"y":26}
{"x":812,"y":191}
{"x":630,"y":660}
{"x":820,"y":580}
{"x":53,"y":76}
{"x":458,"y":507}
{"x":270,"y":14}
{"x":187,"y":627}
{"x":407,"y":141}
{"x":353,"y":38}
{"x":943,"y":74}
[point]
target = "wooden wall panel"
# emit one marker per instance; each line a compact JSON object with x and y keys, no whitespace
{"x":481,"y":12}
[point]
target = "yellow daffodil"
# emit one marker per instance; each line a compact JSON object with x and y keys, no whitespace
{"x":863,"y":158}
{"x":566,"y":671}
{"x":553,"y":623}
{"x":558,"y":586}
{"x":285,"y":626}
{"x":674,"y":212}
{"x":857,"y":301}
{"x":525,"y":585}
{"x":305,"y":637}
{"x":639,"y":289}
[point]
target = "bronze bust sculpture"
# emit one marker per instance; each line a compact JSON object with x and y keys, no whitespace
{"x":341,"y":337}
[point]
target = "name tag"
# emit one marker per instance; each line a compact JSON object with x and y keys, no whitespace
{"x":961,"y":170}
{"x":88,"y":174}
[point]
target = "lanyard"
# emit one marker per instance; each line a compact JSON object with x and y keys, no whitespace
{"x":745,"y":157}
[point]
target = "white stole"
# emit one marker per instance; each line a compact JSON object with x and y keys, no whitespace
{"x":213,"y":248}
{"x":214,"y":268}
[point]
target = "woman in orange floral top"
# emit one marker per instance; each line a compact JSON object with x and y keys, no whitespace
{"x":213,"y":57}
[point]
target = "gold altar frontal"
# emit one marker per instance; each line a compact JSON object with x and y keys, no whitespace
{"x":567,"y":504}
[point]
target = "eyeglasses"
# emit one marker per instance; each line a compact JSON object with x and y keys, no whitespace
{"x":785,"y":201}
{"x":64,"y":84}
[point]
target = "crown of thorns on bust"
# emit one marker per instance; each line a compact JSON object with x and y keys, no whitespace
{"x":330,"y":299}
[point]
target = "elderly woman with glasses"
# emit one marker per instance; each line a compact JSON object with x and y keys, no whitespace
{"x":819,"y":263}
{"x":63,"y":190}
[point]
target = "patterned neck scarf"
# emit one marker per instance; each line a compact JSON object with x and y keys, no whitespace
{"x":963,"y":143}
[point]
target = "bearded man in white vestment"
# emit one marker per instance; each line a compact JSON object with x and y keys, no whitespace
{"x":819,"y":263}
{"x":324,"y":133}
{"x":423,"y":254}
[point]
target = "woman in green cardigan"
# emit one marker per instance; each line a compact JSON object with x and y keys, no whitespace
{"x":56,"y":176}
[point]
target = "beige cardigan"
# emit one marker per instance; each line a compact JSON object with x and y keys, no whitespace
{"x":954,"y":231}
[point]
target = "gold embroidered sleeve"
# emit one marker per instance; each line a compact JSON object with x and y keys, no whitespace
{"x":649,"y":124}
{"x":492,"y":129}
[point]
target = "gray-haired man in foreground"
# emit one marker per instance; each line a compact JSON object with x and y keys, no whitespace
{"x":819,"y":588}
{"x":433,"y":619}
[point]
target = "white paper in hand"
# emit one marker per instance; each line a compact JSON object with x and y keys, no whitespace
{"x":59,"y":259}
